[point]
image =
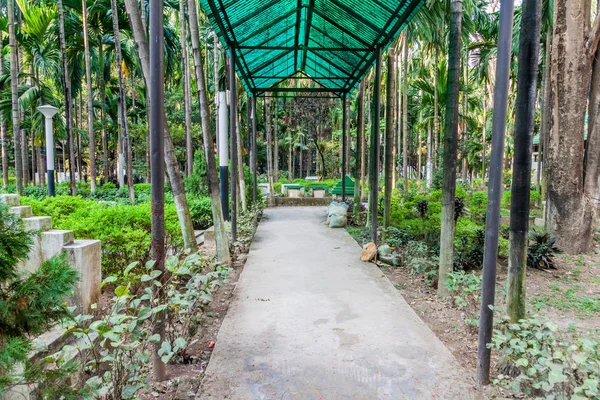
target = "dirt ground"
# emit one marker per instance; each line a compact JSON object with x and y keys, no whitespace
{"x":569,"y":296}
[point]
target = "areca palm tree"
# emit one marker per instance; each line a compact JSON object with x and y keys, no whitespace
{"x":12,"y":42}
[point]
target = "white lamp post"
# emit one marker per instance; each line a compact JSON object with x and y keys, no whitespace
{"x":49,"y":112}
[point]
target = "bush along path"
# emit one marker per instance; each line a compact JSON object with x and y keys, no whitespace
{"x":108,"y":352}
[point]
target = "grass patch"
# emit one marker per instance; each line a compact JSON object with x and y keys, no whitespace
{"x":568,"y":300}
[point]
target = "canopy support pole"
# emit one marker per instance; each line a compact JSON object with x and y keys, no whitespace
{"x":344,"y":144}
{"x":374,"y":162}
{"x":233,"y":141}
{"x":492,"y":220}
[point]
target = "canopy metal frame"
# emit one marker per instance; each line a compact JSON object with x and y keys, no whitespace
{"x":330,"y":42}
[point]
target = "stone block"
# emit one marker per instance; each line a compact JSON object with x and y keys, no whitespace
{"x":11,"y":200}
{"x":35,"y":258}
{"x":52,"y":242}
{"x":319,"y":193}
{"x":209,"y":236}
{"x":294,"y":193}
{"x":41,"y":224}
{"x":84,"y":257}
{"x":539,"y":222}
{"x":21,"y":211}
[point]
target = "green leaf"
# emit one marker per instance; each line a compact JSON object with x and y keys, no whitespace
{"x":121,"y":291}
{"x":130,"y":267}
{"x":155,"y":273}
{"x":154,"y":338}
{"x":108,"y":280}
{"x":180,"y":343}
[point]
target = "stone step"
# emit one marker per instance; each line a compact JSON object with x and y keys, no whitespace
{"x":21,"y":211}
{"x":85,"y":257}
{"x":52,"y":242}
{"x":10,"y":199}
{"x":41,"y":224}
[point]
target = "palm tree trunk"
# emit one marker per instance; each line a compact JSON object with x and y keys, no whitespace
{"x":290,"y":156}
{"x":209,"y":148}
{"x":546,"y":113}
{"x":276,"y":143}
{"x":464,"y":120}
{"x":269,"y":151}
{"x":12,"y":43}
{"x":240,"y":167}
{"x":529,"y":46}
{"x":450,"y":149}
{"x":389,"y":141}
{"x":484,"y":137}
{"x":360,"y":146}
{"x":405,"y":113}
{"x":123,"y":100}
{"x":186,"y":92}
{"x":90,"y":99}
{"x":67,"y":92}
{"x":436,"y":112}
{"x":172,"y":168}
{"x":3,"y":131}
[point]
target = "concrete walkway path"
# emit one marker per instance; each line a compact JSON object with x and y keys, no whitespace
{"x":309,"y":320}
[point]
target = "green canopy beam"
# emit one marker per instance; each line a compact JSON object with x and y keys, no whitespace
{"x":332,"y":42}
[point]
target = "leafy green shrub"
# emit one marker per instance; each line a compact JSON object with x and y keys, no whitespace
{"x":542,"y":250}
{"x":29,"y":305}
{"x":119,"y":361}
{"x":459,"y":208}
{"x":469,"y":254}
{"x":477,"y":203}
{"x":422,"y":208}
{"x":201,"y":212}
{"x":123,"y":229}
{"x":465,"y":288}
{"x":538,"y":362}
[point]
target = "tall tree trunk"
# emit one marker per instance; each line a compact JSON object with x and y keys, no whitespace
{"x":67,"y":92}
{"x":12,"y":43}
{"x":428,"y":161}
{"x":419,"y":158}
{"x":348,"y":137}
{"x":571,"y":209}
{"x":360,"y":146}
{"x":209,"y":146}
{"x":269,"y":151}
{"x":123,"y":100}
{"x":187,"y":102}
{"x":90,"y":99}
{"x":240,"y":166}
{"x":484,"y":137}
{"x":172,"y":168}
{"x":529,"y":47}
{"x":389,"y":141}
{"x":290,"y":156}
{"x":436,"y":108}
{"x":276,"y":143}
{"x":450,"y":148}
{"x":546,"y":115}
{"x":3,"y":131}
{"x":405,"y":112}
{"x":465,"y":167}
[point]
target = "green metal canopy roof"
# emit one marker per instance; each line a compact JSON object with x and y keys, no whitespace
{"x":332,"y":42}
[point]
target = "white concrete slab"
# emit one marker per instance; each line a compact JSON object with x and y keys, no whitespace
{"x":309,"y":320}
